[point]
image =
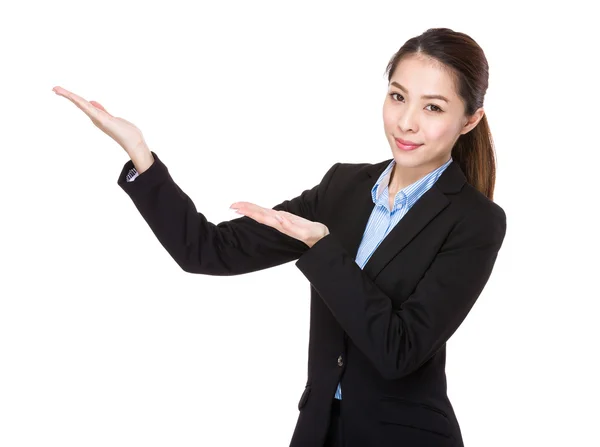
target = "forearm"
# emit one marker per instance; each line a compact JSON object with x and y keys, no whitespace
{"x":398,"y":339}
{"x":142,"y":158}
{"x":199,"y":246}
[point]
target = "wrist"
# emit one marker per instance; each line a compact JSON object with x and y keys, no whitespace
{"x":142,"y":159}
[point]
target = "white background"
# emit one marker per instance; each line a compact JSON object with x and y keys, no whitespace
{"x":105,"y":341}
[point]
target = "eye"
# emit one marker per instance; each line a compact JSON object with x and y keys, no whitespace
{"x":437,"y":109}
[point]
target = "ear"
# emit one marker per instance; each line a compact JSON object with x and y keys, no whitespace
{"x":473,"y":121}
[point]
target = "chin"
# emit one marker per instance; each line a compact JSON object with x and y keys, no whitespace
{"x":415,"y":154}
{"x":410,"y":164}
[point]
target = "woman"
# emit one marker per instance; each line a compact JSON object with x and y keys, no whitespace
{"x":396,"y":252}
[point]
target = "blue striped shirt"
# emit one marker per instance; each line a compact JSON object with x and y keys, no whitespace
{"x":383,"y":220}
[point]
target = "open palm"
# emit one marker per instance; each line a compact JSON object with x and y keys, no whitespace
{"x":122,"y":131}
{"x":295,"y":226}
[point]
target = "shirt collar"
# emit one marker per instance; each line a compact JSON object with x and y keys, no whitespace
{"x":411,"y":192}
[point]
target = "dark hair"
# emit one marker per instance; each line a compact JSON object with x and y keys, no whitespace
{"x":474,"y":151}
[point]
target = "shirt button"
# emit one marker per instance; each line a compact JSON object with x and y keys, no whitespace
{"x":340,"y":361}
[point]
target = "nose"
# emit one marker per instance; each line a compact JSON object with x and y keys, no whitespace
{"x":407,"y":121}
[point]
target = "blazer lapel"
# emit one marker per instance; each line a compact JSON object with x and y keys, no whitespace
{"x":429,"y":205}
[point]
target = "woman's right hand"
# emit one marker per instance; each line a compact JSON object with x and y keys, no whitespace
{"x":128,"y":136}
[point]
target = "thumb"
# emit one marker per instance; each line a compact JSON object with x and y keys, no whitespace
{"x":99,"y":106}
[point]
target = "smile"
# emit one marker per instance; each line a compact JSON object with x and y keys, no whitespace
{"x":405,"y":145}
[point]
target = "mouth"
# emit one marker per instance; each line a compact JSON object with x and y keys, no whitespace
{"x":406,"y":145}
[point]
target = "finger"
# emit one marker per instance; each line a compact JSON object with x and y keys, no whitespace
{"x":248,"y":207}
{"x":291,"y":217}
{"x":278,"y":221}
{"x":258,"y":214}
{"x":99,"y":106}
{"x":84,"y":105}
{"x":262,"y":215}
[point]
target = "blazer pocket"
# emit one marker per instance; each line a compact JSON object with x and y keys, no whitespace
{"x":397,"y":411}
{"x":304,"y":397}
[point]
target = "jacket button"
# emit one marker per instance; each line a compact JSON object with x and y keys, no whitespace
{"x":340,"y":361}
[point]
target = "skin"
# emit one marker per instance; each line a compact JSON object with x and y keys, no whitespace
{"x":295,"y":226}
{"x":434,"y":123}
{"x":130,"y":138}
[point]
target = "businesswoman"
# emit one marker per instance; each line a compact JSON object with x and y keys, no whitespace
{"x":396,"y":252}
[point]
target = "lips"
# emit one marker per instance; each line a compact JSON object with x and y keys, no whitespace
{"x":406,"y":145}
{"x":407,"y":142}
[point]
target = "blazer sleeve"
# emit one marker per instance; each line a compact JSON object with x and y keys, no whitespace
{"x":232,"y":247}
{"x":399,"y":341}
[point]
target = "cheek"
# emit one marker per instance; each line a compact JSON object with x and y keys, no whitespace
{"x":439,"y":132}
{"x":390,"y":114}
{"x":389,"y":120}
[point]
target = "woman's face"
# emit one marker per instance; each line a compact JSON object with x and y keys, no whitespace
{"x":434,"y":123}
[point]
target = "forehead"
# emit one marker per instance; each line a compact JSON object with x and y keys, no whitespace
{"x":424,"y":75}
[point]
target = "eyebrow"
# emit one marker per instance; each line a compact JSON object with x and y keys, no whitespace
{"x":443,"y":98}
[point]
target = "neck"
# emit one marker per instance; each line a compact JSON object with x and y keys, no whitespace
{"x":403,"y":176}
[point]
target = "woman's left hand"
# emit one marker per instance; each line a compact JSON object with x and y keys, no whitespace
{"x":295,"y":226}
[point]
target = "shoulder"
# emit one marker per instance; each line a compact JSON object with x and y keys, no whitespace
{"x":479,"y":203}
{"x":346,"y":172}
{"x":481,"y":221}
{"x":362,"y":168}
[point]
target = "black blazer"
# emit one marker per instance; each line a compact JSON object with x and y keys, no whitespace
{"x":381,"y":330}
